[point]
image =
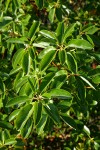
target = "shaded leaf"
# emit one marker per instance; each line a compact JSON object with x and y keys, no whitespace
{"x":39,"y":3}
{"x":59,"y":14}
{"x":6,"y":125}
{"x":37,"y":112}
{"x":52,"y":112}
{"x":46,"y":81}
{"x":71,"y":63}
{"x":81,"y":89}
{"x":2,"y":87}
{"x":69,"y":121}
{"x":62,"y":56}
{"x":86,"y":81}
{"x":22,"y":118}
{"x":6,"y":21}
{"x":25,"y":132}
{"x":26,"y":63}
{"x":41,"y":124}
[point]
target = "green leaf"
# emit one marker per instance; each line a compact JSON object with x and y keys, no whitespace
{"x":21,"y":82}
{"x":26,"y":63}
{"x":48,"y":34}
{"x":2,"y":87}
{"x":47,"y":59}
{"x":46,"y":81}
{"x":33,"y":29}
{"x":69,"y":121}
{"x":71,"y":63}
{"x":45,"y":51}
{"x":32,"y":82}
{"x":96,"y":79}
{"x":41,"y":124}
{"x":91,"y":30}
{"x":94,"y":72}
{"x":17,"y":40}
{"x":52,"y":112}
{"x":39,"y":3}
{"x":17,"y":58}
{"x":5,"y":124}
{"x":60,"y":32}
{"x":86,"y":130}
{"x":7,"y":4}
{"x":25,"y":132}
{"x":52,"y":14}
{"x":59,"y":80}
{"x":42,"y":44}
{"x":59,"y":93}
{"x":5,"y":22}
{"x":23,"y":116}
{"x":6,"y":134}
{"x":90,"y":39}
{"x":10,"y":141}
{"x":80,"y":43}
{"x":81,"y":89}
{"x":64,"y":106}
{"x":68,"y":32}
{"x":96,"y":145}
{"x":15,"y":5}
{"x":86,"y":81}
{"x":37,"y":112}
{"x":49,"y":125}
{"x":17,"y":100}
{"x":27,"y":90}
{"x":13,"y":114}
{"x":14,"y":71}
{"x":59,"y":14}
{"x":62,"y":56}
{"x":60,"y":73}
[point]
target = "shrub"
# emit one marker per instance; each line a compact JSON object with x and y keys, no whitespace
{"x":49,"y":71}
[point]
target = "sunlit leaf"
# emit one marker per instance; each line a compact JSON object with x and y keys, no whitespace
{"x":80,"y":43}
{"x":46,"y":60}
{"x":51,"y":14}
{"x":33,"y":28}
{"x":17,"y":100}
